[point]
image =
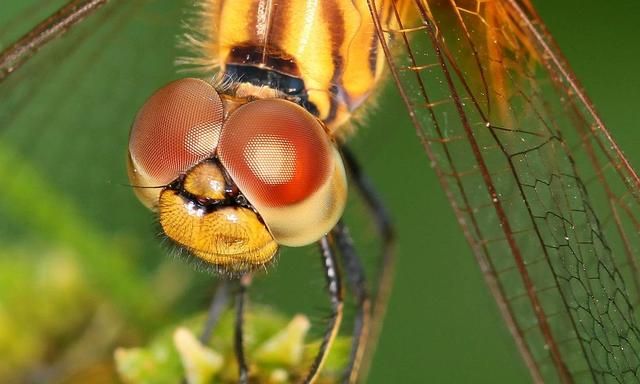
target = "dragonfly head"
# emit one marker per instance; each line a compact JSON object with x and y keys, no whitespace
{"x":232,"y":180}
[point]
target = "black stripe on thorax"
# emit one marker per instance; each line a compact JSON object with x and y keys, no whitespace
{"x":337,"y":34}
{"x":292,"y":87}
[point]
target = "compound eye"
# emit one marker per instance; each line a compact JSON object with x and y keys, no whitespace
{"x":285,"y":164}
{"x":178,"y":127}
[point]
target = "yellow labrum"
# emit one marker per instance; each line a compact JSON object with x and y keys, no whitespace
{"x":326,"y":51}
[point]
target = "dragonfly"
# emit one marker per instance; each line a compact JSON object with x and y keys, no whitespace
{"x":490,"y":96}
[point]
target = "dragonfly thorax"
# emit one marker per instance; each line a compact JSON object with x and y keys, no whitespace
{"x":296,"y":47}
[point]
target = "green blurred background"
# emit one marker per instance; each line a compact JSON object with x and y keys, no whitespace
{"x":63,"y":196}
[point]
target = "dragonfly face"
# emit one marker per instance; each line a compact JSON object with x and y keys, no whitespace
{"x":413,"y":325}
{"x":240,"y":176}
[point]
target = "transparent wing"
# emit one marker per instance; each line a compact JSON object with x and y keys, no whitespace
{"x":64,"y":125}
{"x":544,"y":196}
{"x":66,"y":113}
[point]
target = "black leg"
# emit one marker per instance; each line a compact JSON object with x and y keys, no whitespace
{"x":217,"y":306}
{"x":386,"y":265}
{"x":334,"y":288}
{"x":357,"y":283}
{"x":241,"y":296}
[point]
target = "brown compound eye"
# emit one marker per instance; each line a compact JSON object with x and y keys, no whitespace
{"x":178,"y":127}
{"x":285,"y":164}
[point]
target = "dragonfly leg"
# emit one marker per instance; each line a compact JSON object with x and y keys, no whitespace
{"x":334,"y":288}
{"x":241,"y":298}
{"x":217,"y":306}
{"x":387,"y":257}
{"x":358,"y":285}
